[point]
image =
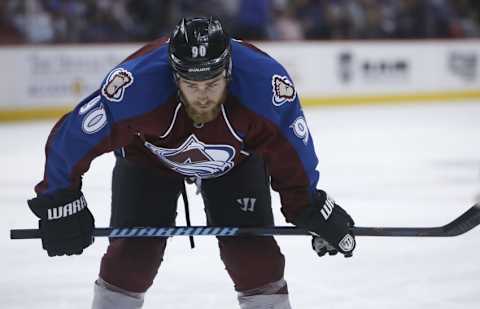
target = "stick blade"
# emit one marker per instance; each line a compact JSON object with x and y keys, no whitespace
{"x":464,"y":223}
{"x":467,"y":221}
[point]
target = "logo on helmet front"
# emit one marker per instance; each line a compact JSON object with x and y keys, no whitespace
{"x":199,"y":69}
{"x":116,"y":83}
{"x":283,"y":90}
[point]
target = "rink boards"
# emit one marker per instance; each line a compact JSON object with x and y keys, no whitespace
{"x":45,"y":81}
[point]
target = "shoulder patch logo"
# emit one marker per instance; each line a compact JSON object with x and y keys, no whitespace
{"x":300,"y":129}
{"x":283,"y":90}
{"x":117,"y":81}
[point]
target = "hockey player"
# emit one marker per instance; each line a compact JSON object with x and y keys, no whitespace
{"x":199,"y":106}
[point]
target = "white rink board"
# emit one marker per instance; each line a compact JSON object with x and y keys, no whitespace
{"x":63,"y":75}
{"x":380,"y":68}
{"x":55,"y":76}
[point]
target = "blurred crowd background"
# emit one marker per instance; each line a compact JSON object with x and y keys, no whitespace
{"x":110,"y":21}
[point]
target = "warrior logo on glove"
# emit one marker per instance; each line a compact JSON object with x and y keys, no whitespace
{"x":347,"y":243}
{"x":68,"y":209}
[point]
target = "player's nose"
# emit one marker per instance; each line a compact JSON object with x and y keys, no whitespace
{"x":202,"y":96}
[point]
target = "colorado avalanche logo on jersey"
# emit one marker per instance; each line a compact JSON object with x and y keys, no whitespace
{"x":117,"y":81}
{"x":195,"y":158}
{"x":283,"y":90}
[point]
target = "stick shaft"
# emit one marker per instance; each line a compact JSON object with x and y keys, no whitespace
{"x":461,"y":225}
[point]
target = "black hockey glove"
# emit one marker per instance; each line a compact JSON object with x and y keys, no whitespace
{"x":322,"y":247}
{"x":66,"y":224}
{"x":332,"y":225}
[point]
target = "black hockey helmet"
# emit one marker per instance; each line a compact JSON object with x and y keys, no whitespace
{"x":199,"y":49}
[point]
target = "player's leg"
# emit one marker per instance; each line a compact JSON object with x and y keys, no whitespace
{"x":255,"y":264}
{"x":140,"y":197}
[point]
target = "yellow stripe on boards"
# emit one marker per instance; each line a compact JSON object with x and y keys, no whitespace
{"x":33,"y":113}
{"x":37,"y":113}
{"x":393,"y":98}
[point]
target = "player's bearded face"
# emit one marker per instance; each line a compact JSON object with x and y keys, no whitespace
{"x":202,"y":99}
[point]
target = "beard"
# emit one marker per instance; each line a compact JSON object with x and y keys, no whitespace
{"x":199,"y":116}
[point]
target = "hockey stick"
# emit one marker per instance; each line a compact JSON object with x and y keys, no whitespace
{"x":461,"y":225}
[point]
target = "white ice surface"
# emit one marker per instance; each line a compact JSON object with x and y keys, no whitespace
{"x":408,"y":165}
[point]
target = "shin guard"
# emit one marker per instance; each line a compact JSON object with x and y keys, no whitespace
{"x":108,"y":296}
{"x":273,"y":296}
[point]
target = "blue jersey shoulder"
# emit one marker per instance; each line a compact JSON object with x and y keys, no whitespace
{"x":139,"y":85}
{"x":263,"y":85}
{"x":259,"y":81}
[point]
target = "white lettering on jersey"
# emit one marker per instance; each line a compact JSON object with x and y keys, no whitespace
{"x":300,"y":129}
{"x":94,"y":121}
{"x":89,"y":105}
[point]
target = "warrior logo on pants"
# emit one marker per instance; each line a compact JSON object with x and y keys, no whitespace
{"x":195,"y":158}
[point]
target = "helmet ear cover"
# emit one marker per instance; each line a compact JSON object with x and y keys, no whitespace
{"x":199,"y":49}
